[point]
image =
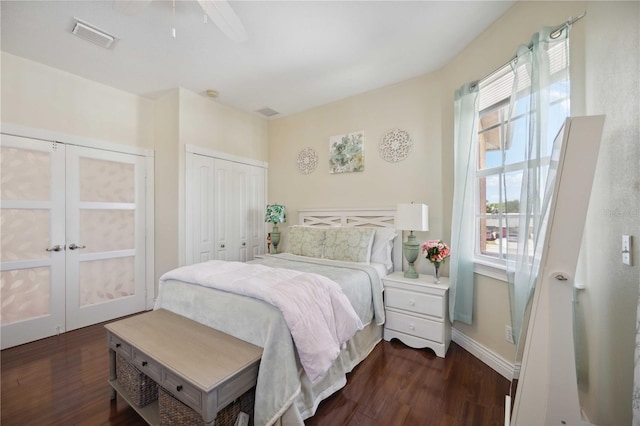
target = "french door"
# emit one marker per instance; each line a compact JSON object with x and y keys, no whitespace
{"x":32,"y":239}
{"x":72,"y":243}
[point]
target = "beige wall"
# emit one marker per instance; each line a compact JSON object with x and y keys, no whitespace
{"x":607,"y":307}
{"x":41,"y":97}
{"x":412,"y":105}
{"x":167,"y":182}
{"x":209,"y":124}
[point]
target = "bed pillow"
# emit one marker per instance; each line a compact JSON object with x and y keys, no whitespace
{"x":383,"y":247}
{"x":306,"y":241}
{"x":349,"y":244}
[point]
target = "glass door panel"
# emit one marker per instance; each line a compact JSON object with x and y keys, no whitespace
{"x":106,"y":280}
{"x":107,"y":230}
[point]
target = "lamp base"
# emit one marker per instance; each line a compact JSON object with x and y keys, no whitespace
{"x":411,"y":249}
{"x":275,"y":238}
{"x":411,"y":272}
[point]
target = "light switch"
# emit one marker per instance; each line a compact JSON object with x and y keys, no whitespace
{"x":626,"y":249}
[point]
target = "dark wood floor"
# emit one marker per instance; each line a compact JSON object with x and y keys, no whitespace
{"x":62,"y":380}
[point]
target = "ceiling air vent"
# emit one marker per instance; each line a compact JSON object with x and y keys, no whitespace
{"x":92,"y":33}
{"x":268,"y":112}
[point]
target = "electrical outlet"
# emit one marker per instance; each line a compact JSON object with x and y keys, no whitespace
{"x":508,"y":334}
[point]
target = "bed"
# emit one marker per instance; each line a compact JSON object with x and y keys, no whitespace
{"x":291,"y":381}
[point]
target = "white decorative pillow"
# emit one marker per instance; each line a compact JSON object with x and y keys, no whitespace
{"x":349,"y":244}
{"x":383,"y":246}
{"x":306,"y":241}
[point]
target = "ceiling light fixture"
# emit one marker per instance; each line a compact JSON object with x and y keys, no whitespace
{"x":212,"y":93}
{"x":92,"y":33}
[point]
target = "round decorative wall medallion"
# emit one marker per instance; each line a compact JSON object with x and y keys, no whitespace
{"x":307,"y":160}
{"x":396,"y":145}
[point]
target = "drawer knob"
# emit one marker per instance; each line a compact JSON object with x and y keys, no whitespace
{"x":118,"y":345}
{"x":412,"y":327}
{"x":144,"y":363}
{"x":179,"y":388}
{"x":411,"y":302}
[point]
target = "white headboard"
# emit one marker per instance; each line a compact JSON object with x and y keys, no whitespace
{"x":373,"y":218}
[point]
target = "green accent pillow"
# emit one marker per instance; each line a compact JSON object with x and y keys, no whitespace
{"x":349,"y":244}
{"x":306,"y":241}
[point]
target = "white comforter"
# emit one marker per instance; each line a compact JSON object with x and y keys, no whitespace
{"x":318,"y":314}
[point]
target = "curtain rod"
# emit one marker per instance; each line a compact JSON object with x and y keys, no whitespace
{"x":555,"y":33}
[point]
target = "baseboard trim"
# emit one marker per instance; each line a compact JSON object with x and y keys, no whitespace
{"x":503,"y":367}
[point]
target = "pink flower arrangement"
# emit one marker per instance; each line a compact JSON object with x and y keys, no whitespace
{"x":435,"y":251}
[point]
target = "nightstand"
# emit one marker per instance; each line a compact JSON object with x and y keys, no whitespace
{"x":417,"y":311}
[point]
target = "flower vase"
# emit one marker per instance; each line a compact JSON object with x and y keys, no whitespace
{"x":436,"y":265}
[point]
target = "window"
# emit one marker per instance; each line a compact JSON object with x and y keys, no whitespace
{"x":501,"y":159}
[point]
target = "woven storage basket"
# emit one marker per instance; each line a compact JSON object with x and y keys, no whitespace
{"x":175,"y":413}
{"x":139,"y":387}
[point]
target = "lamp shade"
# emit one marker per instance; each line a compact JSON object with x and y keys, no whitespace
{"x":275,"y":214}
{"x":412,"y":217}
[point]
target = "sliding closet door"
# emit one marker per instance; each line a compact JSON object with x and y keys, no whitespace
{"x":105,"y":227}
{"x":32,"y":256}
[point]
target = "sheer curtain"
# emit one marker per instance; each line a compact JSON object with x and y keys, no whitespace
{"x":538,"y":108}
{"x":462,"y":223}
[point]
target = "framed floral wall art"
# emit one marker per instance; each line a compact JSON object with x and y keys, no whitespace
{"x":346,"y":153}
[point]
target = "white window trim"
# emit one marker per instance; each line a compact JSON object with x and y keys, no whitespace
{"x":490,"y":269}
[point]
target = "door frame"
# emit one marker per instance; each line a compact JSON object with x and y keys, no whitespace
{"x":148,"y":154}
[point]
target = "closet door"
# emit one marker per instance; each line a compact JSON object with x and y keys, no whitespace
{"x":223,"y":211}
{"x":200,"y":203}
{"x":256,"y":206}
{"x":105,"y":228}
{"x":32,"y":256}
{"x":240,"y":215}
{"x":225,"y":203}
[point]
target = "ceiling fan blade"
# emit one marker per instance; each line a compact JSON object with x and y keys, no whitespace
{"x":225,"y":18}
{"x":130,"y":7}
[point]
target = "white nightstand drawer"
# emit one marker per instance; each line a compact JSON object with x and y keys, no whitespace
{"x":419,"y":327}
{"x":414,"y":302}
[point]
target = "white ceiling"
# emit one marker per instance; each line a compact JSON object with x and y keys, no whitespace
{"x":299,"y":54}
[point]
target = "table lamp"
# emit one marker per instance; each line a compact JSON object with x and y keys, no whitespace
{"x":275,"y":214}
{"x":412,"y":217}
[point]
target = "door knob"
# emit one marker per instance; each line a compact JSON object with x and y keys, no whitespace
{"x":57,"y":247}
{"x":73,"y":246}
